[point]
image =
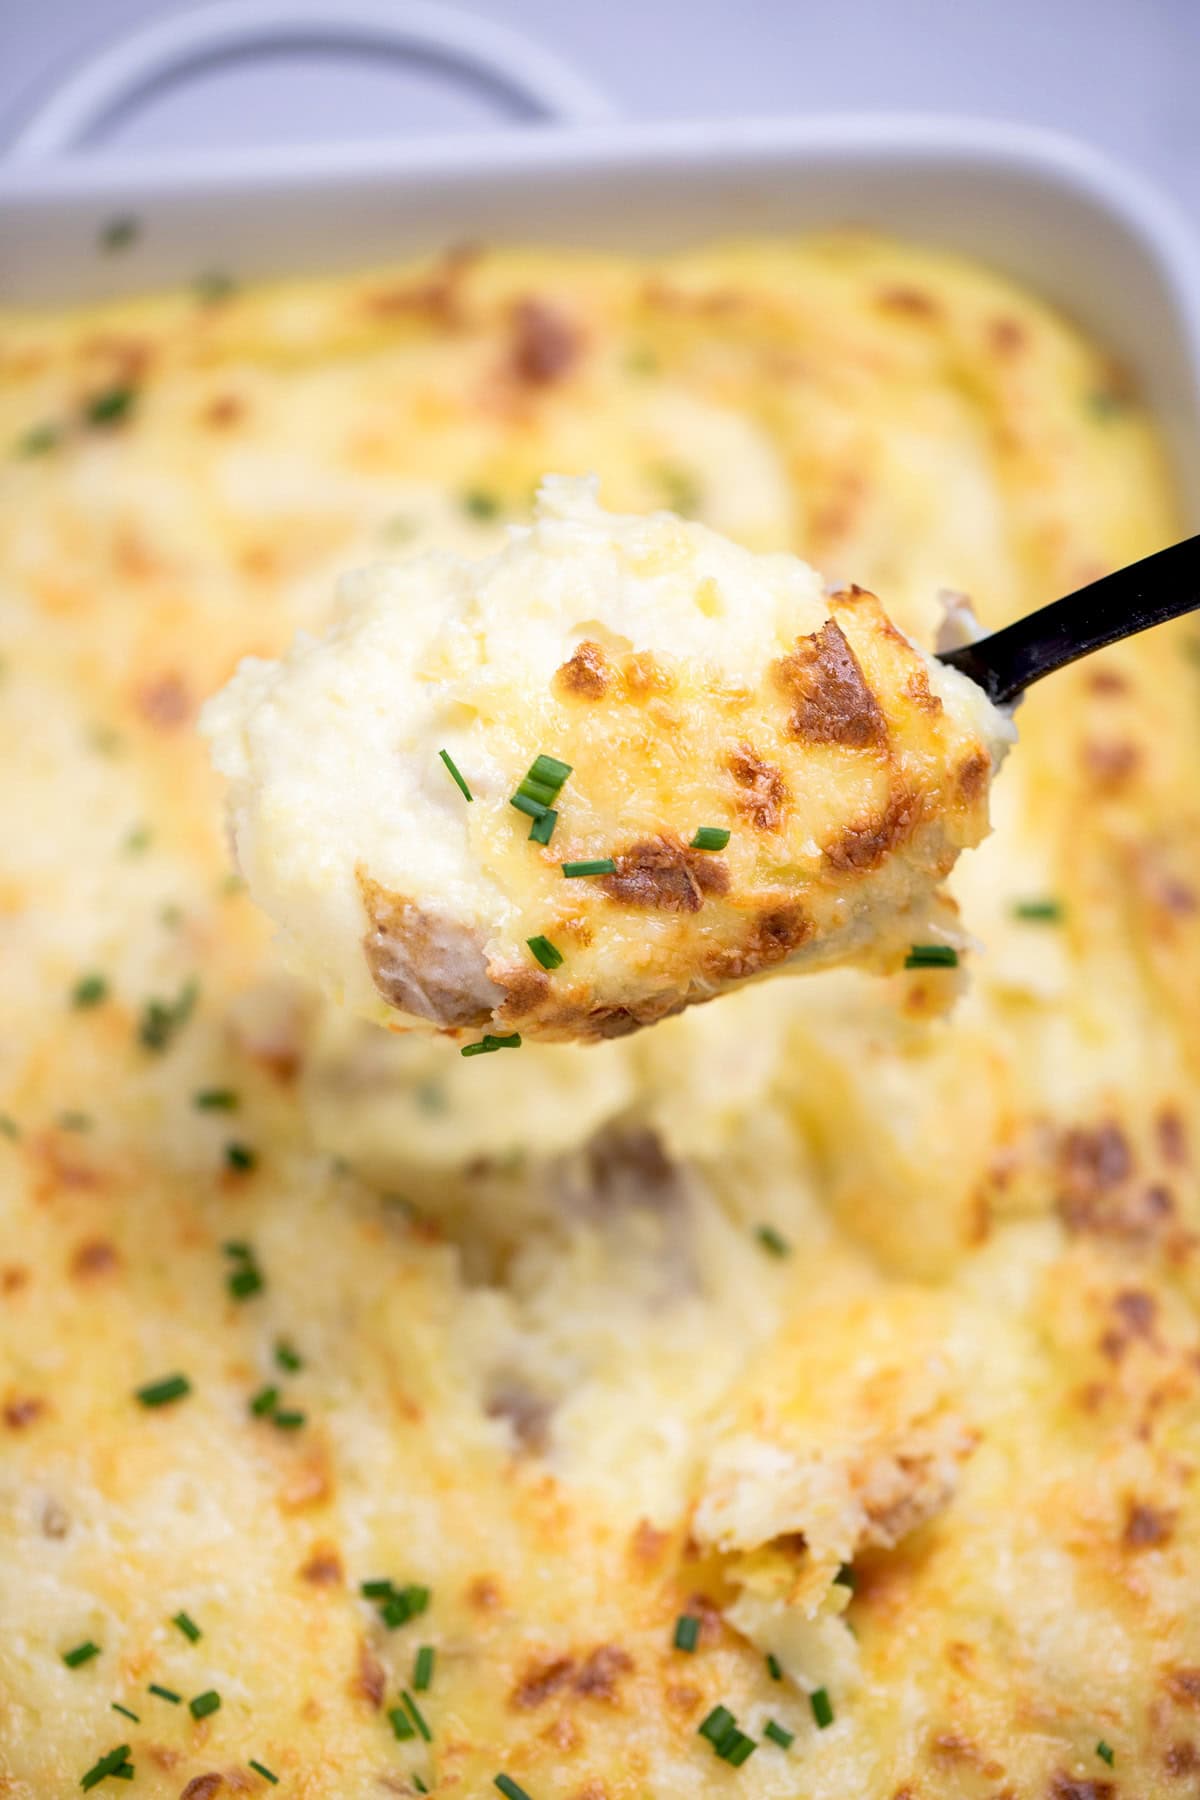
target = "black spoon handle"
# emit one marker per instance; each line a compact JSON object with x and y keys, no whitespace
{"x":1150,"y":592}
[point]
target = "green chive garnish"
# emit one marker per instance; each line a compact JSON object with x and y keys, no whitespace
{"x":290,"y":1421}
{"x":822,"y":1708}
{"x":1038,"y":912}
{"x":38,"y":440}
{"x":536,"y":795}
{"x":89,"y":990}
{"x":846,"y":1577}
{"x":774,"y":1669}
{"x":161,"y":1019}
{"x":400,"y":1724}
{"x":82,"y":1653}
{"x":418,"y":1783}
{"x":710,"y":837}
{"x":773,"y":1241}
{"x":287,"y":1356}
{"x":423,"y":1668}
{"x":9,"y":1127}
{"x":1106,"y":1753}
{"x":264,"y":1402}
{"x":463,"y":789}
{"x":162,"y":1393}
{"x":779,"y":1735}
{"x":110,"y":406}
{"x":215,"y":1100}
{"x":107,"y":1765}
{"x":490,"y":1042}
{"x":603,"y":865}
{"x":203,"y":1704}
{"x":165,"y":1694}
{"x":932,"y":956}
{"x":376,"y":1590}
{"x":542,"y":829}
{"x":534,"y":809}
{"x":124,"y":1710}
{"x":241,"y":1157}
{"x":546,"y":953}
{"x":479,"y":504}
{"x":415,"y":1714}
{"x":717,"y":1723}
{"x":137,"y":841}
{"x":512,"y":1790}
{"x":119,"y":233}
{"x":188,"y":1626}
{"x":262,"y":1769}
{"x":735,"y":1747}
{"x":687,"y":1632}
{"x":549,"y":770}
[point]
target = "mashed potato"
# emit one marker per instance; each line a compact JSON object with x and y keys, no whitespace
{"x":759,"y":777}
{"x":571,"y":1345}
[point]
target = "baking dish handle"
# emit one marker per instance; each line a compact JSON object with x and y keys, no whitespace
{"x":118,"y":75}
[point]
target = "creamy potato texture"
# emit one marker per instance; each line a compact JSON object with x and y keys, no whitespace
{"x":760,"y":775}
{"x":584,"y":1342}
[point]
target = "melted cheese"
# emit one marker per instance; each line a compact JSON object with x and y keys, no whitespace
{"x":549,"y":1368}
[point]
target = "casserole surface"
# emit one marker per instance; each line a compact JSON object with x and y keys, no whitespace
{"x":552,"y":1369}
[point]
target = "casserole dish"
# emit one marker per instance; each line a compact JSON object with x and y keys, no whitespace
{"x":813,"y":1379}
{"x":1051,"y":213}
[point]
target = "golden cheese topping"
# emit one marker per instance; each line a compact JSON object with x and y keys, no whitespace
{"x":571,"y":1346}
{"x":613,"y":769}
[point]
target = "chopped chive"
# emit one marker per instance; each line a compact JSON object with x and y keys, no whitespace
{"x":262,"y":1769}
{"x":423,"y":1668}
{"x":290,"y":1421}
{"x":774,"y":1669}
{"x":512,"y":1790}
{"x":162,"y":1393}
{"x":932,"y":956}
{"x":213,"y":286}
{"x":822,"y":1708}
{"x":241,"y":1157}
{"x":401,"y":1724}
{"x":778,"y":1734}
{"x":710,"y":837}
{"x":550,"y":770}
{"x":846,"y":1577}
{"x":245,"y":1282}
{"x":773,"y":1241}
{"x":479,"y":504}
{"x":119,"y":233}
{"x":107,"y":1765}
{"x":215,"y":1100}
{"x":264,"y":1402}
{"x":419,"y":1784}
{"x":1106,"y":1753}
{"x":111,"y":405}
{"x":717,"y":1723}
{"x":124,"y":1710}
{"x":38,"y":440}
{"x":687,"y":1632}
{"x":207,"y":1702}
{"x":188,"y":1626}
{"x":89,"y":990}
{"x":489,"y":1042}
{"x":1040,"y":912}
{"x":463,"y":789}
{"x":546,"y":953}
{"x":165,"y":1694}
{"x":376,"y":1590}
{"x":161,"y":1019}
{"x":287,"y":1356}
{"x":603,"y":865}
{"x":524,"y":803}
{"x":237,"y":1247}
{"x":136,"y":841}
{"x":542,"y":829}
{"x":9,"y":1127}
{"x":82,"y":1653}
{"x":416,"y":1715}
{"x":541,"y":791}
{"x":735,"y":1747}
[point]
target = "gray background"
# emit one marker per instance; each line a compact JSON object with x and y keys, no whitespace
{"x":1122,"y":73}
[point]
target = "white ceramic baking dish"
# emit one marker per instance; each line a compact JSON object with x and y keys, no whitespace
{"x":1057,"y":216}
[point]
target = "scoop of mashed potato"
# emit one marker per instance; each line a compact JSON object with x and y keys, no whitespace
{"x":614,"y":769}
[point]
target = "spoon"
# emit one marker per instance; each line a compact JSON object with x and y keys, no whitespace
{"x":1150,"y":592}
